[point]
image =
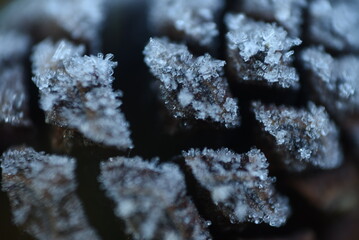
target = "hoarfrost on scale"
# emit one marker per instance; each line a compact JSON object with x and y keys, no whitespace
{"x":239,"y":185}
{"x":333,"y":24}
{"x":13,"y":95}
{"x":303,"y":137}
{"x":151,"y":199}
{"x":191,"y":87}
{"x":42,"y":193}
{"x":260,"y":52}
{"x":195,"y":21}
{"x":334,"y":80}
{"x":287,"y":13}
{"x":79,"y":18}
{"x":76,"y":92}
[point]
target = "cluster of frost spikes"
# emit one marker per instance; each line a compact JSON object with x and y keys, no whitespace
{"x":13,"y":95}
{"x":76,"y":92}
{"x":288,"y":13}
{"x":333,"y":80}
{"x":333,"y":24}
{"x":79,"y":18}
{"x":303,"y":137}
{"x":42,"y":193}
{"x":239,"y":185}
{"x":151,"y":199}
{"x":193,"y":20}
{"x":260,"y":52}
{"x":191,"y":87}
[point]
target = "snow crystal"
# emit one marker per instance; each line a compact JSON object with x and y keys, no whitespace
{"x":151,"y":199}
{"x":260,"y":52}
{"x":76,"y":92}
{"x":42,"y":193}
{"x":239,"y":185}
{"x":80,"y":18}
{"x":202,"y":91}
{"x":193,"y":20}
{"x":288,"y":13}
{"x":333,"y":23}
{"x":334,"y":80}
{"x":303,"y":137}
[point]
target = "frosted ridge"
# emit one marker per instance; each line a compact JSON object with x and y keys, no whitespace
{"x":151,"y":199}
{"x":335,"y":80}
{"x":260,"y":52}
{"x":288,"y":13}
{"x":305,"y":137}
{"x":41,"y":189}
{"x":332,"y":23}
{"x":239,"y":185}
{"x":201,"y":89}
{"x":76,"y":92}
{"x":193,"y":19}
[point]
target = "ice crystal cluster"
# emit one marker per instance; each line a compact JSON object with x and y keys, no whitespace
{"x":288,"y":13}
{"x":42,"y":192}
{"x":333,"y":23}
{"x":260,"y":52}
{"x":76,"y":92}
{"x":151,"y":199}
{"x":191,"y":87}
{"x":13,"y":94}
{"x":194,"y":21}
{"x":304,"y":137}
{"x":239,"y":185}
{"x":333,"y":80}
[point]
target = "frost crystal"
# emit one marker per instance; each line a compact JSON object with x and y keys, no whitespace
{"x":288,"y":13}
{"x":192,"y":20}
{"x":302,"y":137}
{"x":333,"y":23}
{"x":76,"y":92}
{"x":191,"y":87}
{"x":13,"y":95}
{"x":80,"y":18}
{"x":151,"y":199}
{"x":239,"y":185}
{"x":334,"y":80}
{"x":260,"y":52}
{"x":41,"y":189}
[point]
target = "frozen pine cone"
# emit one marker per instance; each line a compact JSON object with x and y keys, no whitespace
{"x":191,"y":87}
{"x":260,"y":53}
{"x":42,"y":192}
{"x":250,"y":105}
{"x":302,"y":138}
{"x":151,"y":199}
